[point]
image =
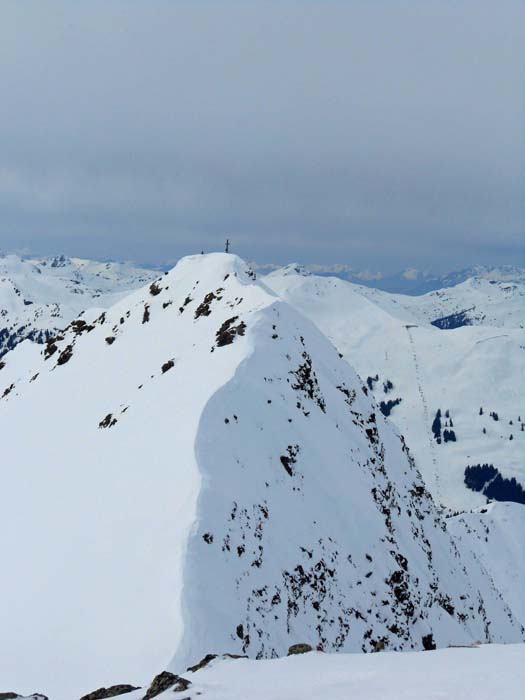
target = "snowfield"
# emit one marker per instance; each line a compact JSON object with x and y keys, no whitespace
{"x":480,"y":673}
{"x":476,"y":673}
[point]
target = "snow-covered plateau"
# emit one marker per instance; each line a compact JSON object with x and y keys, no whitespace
{"x":199,"y":469}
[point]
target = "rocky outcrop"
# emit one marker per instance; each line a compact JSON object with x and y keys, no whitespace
{"x":111,"y":692}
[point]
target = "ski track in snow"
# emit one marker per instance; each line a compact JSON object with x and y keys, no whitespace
{"x":432,"y":448}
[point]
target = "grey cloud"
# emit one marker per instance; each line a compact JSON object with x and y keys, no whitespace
{"x":379,"y":134}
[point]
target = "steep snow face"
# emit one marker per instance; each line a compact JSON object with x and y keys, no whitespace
{"x":38,"y":297}
{"x":498,"y":530}
{"x":205,"y":473}
{"x":414,"y":371}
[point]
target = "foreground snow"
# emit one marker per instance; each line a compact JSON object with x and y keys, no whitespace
{"x":495,"y":672}
{"x":482,"y":673}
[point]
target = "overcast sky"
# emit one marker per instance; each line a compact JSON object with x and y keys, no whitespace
{"x":381,"y":134}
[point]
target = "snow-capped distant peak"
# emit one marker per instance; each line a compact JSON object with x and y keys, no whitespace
{"x":293,"y":269}
{"x":40,"y":296}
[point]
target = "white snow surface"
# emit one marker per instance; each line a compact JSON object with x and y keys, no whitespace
{"x":460,"y":370}
{"x":197,"y":470}
{"x":499,"y":529}
{"x":477,"y":673}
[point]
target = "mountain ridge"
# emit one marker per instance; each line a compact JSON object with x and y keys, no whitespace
{"x":179,"y":435}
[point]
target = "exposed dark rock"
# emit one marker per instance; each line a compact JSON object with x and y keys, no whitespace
{"x":380,"y":645}
{"x":202,"y":663}
{"x":8,"y":390}
{"x":146,"y":314}
{"x":167,"y":365}
{"x":428,"y":642}
{"x":204,"y":307}
{"x":12,"y":696}
{"x":80,"y":326}
{"x":110,"y":339}
{"x":306,"y":380}
{"x":65,"y":355}
{"x":108,"y":421}
{"x":111,"y":692}
{"x":290,"y":459}
{"x":227,"y":332}
{"x":165,"y":681}
{"x":154,"y":289}
{"x":51,"y":347}
{"x":299,"y":649}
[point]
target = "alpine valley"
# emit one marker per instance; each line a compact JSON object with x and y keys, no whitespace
{"x":206,"y":464}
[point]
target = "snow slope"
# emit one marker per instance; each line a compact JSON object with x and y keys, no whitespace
{"x":478,"y":673}
{"x":205,"y":473}
{"x":459,"y":371}
{"x":499,"y":529}
{"x":40,"y":296}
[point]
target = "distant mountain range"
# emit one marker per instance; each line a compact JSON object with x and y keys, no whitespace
{"x":40,"y":296}
{"x":411,"y":281}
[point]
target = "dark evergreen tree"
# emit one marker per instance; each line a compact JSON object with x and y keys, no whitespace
{"x":436,"y":426}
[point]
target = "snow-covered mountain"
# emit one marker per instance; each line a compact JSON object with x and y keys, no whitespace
{"x":411,"y":282}
{"x":418,"y":282}
{"x":197,"y":469}
{"x":475,"y":302}
{"x":453,"y":394}
{"x":40,"y":296}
